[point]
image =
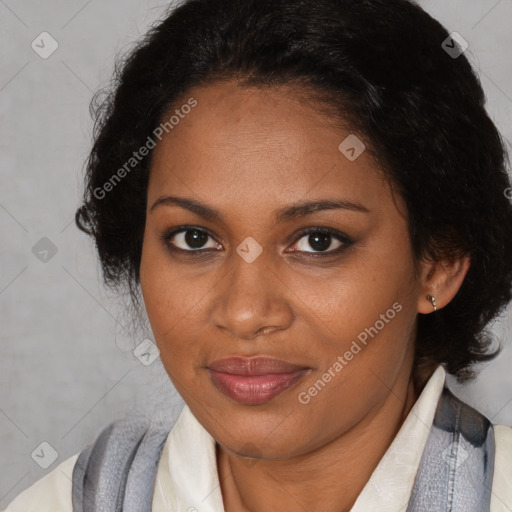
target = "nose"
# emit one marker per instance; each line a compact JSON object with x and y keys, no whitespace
{"x":251,"y":300}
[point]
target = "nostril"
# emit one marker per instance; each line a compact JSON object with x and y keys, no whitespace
{"x":265,"y":330}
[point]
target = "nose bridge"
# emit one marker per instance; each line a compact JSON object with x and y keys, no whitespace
{"x":249,"y":299}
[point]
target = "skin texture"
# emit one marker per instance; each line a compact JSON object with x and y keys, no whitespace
{"x":248,"y":152}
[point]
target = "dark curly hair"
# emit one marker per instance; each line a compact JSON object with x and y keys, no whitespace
{"x":379,"y":65}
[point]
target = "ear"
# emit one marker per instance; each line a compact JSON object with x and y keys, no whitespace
{"x":441,"y":279}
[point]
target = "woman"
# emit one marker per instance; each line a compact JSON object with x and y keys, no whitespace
{"x":310,"y":200}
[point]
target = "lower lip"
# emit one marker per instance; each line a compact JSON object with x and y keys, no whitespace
{"x":254,"y":389}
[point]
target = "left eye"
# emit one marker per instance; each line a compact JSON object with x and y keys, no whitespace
{"x":321,"y":241}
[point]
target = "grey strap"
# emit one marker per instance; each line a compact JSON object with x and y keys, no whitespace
{"x":116,"y":473}
{"x":456,"y":469}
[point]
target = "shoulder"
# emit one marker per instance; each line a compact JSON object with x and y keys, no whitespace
{"x":473,"y":424}
{"x":503,"y":437}
{"x":124,"y":452}
{"x":502,"y":479}
{"x":51,"y":493}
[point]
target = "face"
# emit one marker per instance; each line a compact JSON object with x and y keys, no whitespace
{"x":330,"y":288}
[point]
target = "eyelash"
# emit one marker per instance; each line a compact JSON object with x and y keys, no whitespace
{"x":344,"y":239}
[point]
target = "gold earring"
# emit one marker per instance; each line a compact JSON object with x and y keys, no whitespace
{"x":432,"y":299}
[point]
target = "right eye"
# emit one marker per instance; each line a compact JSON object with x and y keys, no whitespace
{"x":190,"y":238}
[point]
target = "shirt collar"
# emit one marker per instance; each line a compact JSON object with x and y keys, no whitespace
{"x":390,"y":485}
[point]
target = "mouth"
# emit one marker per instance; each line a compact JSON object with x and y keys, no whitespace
{"x":256,"y":380}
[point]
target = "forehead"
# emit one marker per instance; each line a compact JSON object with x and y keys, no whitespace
{"x":259,"y":145}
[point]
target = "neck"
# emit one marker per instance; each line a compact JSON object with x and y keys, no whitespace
{"x":329,"y":478}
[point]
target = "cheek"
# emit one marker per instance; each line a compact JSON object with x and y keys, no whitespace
{"x":173,"y":303}
{"x":383,"y":305}
{"x":356,"y":295}
{"x":366,"y":314}
{"x":159,"y":286}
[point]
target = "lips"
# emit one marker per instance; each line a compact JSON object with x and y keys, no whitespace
{"x":256,"y":380}
{"x":258,"y":365}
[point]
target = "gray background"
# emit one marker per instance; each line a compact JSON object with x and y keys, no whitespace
{"x":67,"y":365}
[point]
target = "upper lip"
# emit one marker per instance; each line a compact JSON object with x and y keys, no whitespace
{"x":258,"y":365}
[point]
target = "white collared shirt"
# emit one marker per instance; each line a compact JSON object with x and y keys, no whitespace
{"x":187,"y":478}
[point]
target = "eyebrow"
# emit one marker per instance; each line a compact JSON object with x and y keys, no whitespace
{"x":284,"y":214}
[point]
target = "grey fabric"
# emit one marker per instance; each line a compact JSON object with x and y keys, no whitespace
{"x":116,"y":473}
{"x":456,"y":468}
